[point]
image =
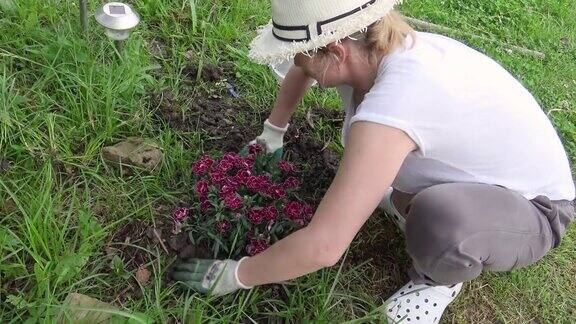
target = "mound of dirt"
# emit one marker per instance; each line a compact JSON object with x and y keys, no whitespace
{"x":217,"y":117}
{"x":215,"y":114}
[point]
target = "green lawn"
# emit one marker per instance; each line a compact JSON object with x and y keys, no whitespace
{"x":64,"y":96}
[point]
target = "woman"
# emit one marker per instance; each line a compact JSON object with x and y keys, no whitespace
{"x":480,"y":178}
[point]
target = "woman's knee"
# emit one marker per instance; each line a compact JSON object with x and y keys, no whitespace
{"x":435,"y":220}
{"x":436,"y":227}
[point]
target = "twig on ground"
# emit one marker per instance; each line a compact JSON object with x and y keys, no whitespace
{"x":424,"y":25}
{"x":309,"y":118}
{"x":155,"y":232}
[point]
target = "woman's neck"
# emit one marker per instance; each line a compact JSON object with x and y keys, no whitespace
{"x":363,"y":76}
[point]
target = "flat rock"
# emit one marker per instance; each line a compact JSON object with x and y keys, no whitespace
{"x":135,"y":151}
{"x":78,"y":308}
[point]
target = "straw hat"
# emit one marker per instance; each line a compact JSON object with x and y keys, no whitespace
{"x":299,"y":26}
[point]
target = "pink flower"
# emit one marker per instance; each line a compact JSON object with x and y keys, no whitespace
{"x":258,"y":183}
{"x":242,"y":176}
{"x":202,"y":188}
{"x":252,"y":183}
{"x":226,"y":190}
{"x":256,"y":246}
{"x":308,"y":210}
{"x":223,"y":226}
{"x":247,"y":162}
{"x":202,"y":166}
{"x":254,"y":148}
{"x":208,"y":160}
{"x":180,"y":214}
{"x":276,"y":191}
{"x":270,"y":213}
{"x":291,"y":183}
{"x":232,"y":181}
{"x":233,"y":201}
{"x":224,"y":166}
{"x":286,"y":166}
{"x":232,"y":158}
{"x":255,"y":216}
{"x":199,"y":168}
{"x":217,"y":176}
{"x":293,"y":210}
{"x":205,"y":205}
{"x":265,"y":182}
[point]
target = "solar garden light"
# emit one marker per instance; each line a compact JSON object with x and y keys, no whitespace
{"x":118,"y":19}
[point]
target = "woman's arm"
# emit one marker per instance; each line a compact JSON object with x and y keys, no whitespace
{"x":293,"y":88}
{"x":372,"y":158}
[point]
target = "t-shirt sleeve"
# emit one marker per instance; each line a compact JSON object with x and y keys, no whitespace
{"x":402,"y":125}
{"x":408,"y":96}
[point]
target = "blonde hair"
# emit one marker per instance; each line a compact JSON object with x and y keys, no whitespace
{"x":383,"y":36}
{"x":387,"y":34}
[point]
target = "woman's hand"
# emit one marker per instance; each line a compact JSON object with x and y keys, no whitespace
{"x":293,"y":88}
{"x":214,"y":277}
{"x":272,"y":137}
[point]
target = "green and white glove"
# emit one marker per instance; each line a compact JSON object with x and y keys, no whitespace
{"x":214,"y":277}
{"x":272,"y":137}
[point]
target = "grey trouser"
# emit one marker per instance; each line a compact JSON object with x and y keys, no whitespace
{"x":456,"y":230}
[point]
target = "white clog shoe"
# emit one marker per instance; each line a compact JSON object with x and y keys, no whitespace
{"x":420,"y":303}
{"x":391,"y":211}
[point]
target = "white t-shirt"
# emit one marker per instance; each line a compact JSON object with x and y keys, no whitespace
{"x":472,"y":121}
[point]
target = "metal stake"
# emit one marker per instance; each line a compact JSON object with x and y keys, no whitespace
{"x":119,"y":45}
{"x":84,"y":15}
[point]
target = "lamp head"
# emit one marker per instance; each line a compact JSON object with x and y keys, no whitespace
{"x":118,"y":19}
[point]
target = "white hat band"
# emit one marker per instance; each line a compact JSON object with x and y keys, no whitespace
{"x":303,"y":33}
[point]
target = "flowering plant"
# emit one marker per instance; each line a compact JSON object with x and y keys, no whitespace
{"x":243,"y":204}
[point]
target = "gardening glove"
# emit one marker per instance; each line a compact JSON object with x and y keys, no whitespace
{"x":214,"y":277}
{"x":272,"y":137}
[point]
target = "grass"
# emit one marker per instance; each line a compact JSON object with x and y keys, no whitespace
{"x":64,"y":96}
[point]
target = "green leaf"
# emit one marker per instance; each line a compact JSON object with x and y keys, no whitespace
{"x":70,"y":266}
{"x":17,"y":301}
{"x":8,"y":240}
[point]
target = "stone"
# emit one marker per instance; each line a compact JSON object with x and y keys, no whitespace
{"x":135,"y":151}
{"x":79,"y":308}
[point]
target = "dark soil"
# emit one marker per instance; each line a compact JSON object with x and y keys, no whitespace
{"x":215,"y":116}
{"x":381,"y":243}
{"x":132,"y":241}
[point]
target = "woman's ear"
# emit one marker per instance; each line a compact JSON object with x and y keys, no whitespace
{"x":338,"y":52}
